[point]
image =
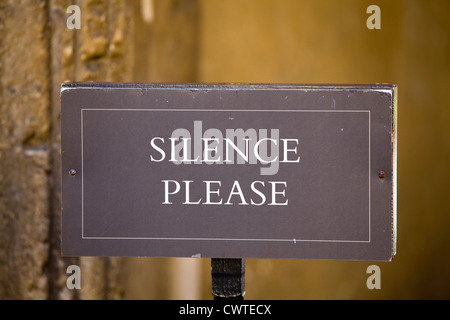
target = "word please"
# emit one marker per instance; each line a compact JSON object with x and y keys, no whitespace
{"x":235,"y":195}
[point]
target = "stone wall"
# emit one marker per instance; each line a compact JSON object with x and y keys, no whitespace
{"x":119,"y":41}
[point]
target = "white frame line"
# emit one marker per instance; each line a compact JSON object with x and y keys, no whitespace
{"x":217,"y":239}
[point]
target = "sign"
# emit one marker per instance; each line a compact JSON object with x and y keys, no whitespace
{"x":229,"y":171}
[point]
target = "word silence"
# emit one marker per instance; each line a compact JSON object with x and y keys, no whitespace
{"x":241,"y":171}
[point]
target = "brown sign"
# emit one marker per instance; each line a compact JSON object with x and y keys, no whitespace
{"x":252,"y":171}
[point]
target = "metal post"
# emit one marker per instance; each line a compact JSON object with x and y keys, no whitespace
{"x":228,"y":279}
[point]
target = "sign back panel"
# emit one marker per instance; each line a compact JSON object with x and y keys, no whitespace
{"x":230,"y":171}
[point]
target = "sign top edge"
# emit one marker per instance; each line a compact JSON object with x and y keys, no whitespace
{"x":225,"y":86}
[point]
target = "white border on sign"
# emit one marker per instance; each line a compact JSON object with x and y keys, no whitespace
{"x":294,"y":240}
